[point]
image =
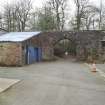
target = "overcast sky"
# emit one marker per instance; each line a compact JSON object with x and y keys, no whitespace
{"x":38,"y":3}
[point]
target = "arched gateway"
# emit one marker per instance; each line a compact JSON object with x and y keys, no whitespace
{"x":87,"y":43}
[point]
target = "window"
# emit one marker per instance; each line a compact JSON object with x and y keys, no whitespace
{"x":103,"y":43}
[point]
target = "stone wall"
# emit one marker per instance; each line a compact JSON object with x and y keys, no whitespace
{"x":10,"y":54}
{"x":88,"y":43}
{"x":44,"y":41}
{"x":47,"y":53}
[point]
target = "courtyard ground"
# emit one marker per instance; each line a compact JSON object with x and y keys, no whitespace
{"x":63,"y":82}
{"x":101,"y":67}
{"x":6,"y":83}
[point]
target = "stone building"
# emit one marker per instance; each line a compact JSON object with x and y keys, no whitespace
{"x":19,"y":48}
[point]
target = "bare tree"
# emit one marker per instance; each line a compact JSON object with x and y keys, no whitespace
{"x":80,"y":7}
{"x":7,"y":16}
{"x":1,"y":24}
{"x":90,"y":17}
{"x":58,"y":7}
{"x":23,"y":8}
{"x":63,"y":15}
{"x":33,"y":22}
{"x":17,"y":15}
{"x":100,"y":15}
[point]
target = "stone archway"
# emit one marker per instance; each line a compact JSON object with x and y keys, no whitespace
{"x":64,"y":46}
{"x":47,"y":40}
{"x":65,"y":36}
{"x":85,"y":41}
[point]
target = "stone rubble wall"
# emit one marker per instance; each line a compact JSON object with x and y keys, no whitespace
{"x":88,"y":43}
{"x":10,"y":54}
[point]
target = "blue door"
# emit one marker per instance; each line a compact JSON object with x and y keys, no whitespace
{"x":34,"y":55}
{"x":39,"y":54}
{"x":31,"y":55}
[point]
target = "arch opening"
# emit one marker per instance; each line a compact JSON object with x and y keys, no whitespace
{"x":65,"y":47}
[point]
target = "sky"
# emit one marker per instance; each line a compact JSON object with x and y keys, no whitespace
{"x":39,"y":3}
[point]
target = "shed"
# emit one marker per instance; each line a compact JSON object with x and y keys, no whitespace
{"x":19,"y":48}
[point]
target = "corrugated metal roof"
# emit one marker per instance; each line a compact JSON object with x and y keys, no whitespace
{"x":17,"y":36}
{"x":1,"y":33}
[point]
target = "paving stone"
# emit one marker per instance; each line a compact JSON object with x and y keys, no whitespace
{"x":6,"y":83}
